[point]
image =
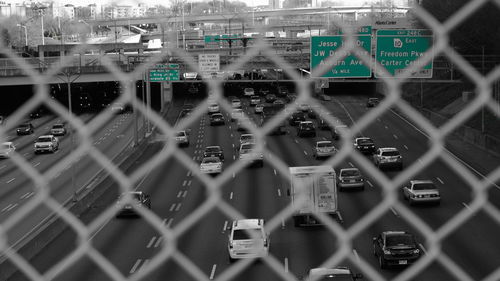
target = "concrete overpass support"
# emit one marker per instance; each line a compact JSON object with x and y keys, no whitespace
{"x":166,"y":94}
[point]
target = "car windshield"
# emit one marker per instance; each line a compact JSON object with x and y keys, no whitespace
{"x":424,"y":186}
{"x":181,"y":134}
{"x":210,"y":160}
{"x":399,"y":240}
{"x":236,"y":100}
{"x":349,"y":173}
{"x":246,"y":148}
{"x":213,"y":104}
{"x":373,"y":99}
{"x":212,"y":149}
{"x":246,"y":137}
{"x":390,"y":153}
{"x":325,"y":144}
{"x":44,"y":139}
{"x":244,"y":234}
{"x":58,"y":126}
{"x":365,"y":141}
{"x":239,"y":111}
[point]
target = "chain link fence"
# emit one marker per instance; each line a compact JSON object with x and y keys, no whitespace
{"x":83,"y":132}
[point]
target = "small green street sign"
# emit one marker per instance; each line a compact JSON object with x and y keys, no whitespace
{"x":161,"y":75}
{"x":170,"y":65}
{"x":351,"y":66}
{"x":398,"y":49}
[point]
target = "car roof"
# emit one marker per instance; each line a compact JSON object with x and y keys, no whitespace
{"x":421,"y":181}
{"x":392,"y":233}
{"x":58,"y":124}
{"x":213,"y":146}
{"x":7,"y":143}
{"x":388,"y":149}
{"x":373,"y":98}
{"x":349,"y":169}
{"x":246,"y":135}
{"x":46,"y":136}
{"x":248,"y":223}
{"x":305,"y":122}
{"x":237,"y":110}
{"x":210,"y":158}
{"x":362,"y":138}
{"x":321,"y":271}
{"x":216,"y":114}
{"x":318,"y":142}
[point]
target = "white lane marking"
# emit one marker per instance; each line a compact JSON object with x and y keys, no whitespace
{"x":144,"y":265}
{"x":396,"y":137}
{"x":224,"y":227}
{"x":184,"y":183}
{"x":394,"y":212}
{"x":11,"y":180}
{"x":355,"y":254}
{"x":212,"y":273}
{"x":279,"y":192}
{"x":423,"y":248}
{"x":8,"y":206}
{"x":179,"y":194}
{"x":369,"y":183}
{"x":189,"y":183}
{"x":286,"y":264}
{"x":350,"y":164}
{"x":134,"y":268}
{"x":305,"y":152}
{"x":466,"y":206}
{"x":234,"y":175}
{"x":172,"y":207}
{"x":188,"y":174}
{"x":406,"y":147}
{"x":231,"y":196}
{"x":194,"y":158}
{"x":184,"y":194}
{"x":36,"y":164}
{"x":386,"y":127}
{"x":178,"y":207}
{"x":296,"y":141}
{"x":282,"y":224}
{"x":31,"y":194}
{"x":6,"y":166}
{"x":169,"y":222}
{"x":196,"y":152}
{"x":275,"y":172}
{"x":158,"y":242}
{"x":151,"y":242}
{"x":164,"y":221}
{"x":24,"y":195}
{"x":440,"y":180}
{"x":26,"y":154}
{"x":233,"y":145}
{"x":234,"y":157}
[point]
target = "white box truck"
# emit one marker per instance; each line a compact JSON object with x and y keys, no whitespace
{"x":313,"y":190}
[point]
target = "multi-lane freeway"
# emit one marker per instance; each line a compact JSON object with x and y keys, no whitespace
{"x":132,"y":244}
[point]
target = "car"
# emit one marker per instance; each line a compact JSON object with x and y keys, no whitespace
{"x":214,"y":151}
{"x":248,"y":154}
{"x":270,"y":98}
{"x":340,"y":273}
{"x":304,"y":107}
{"x":279,"y":102}
{"x":185,"y":112}
{"x":236,"y":103}
{"x":191,"y":76}
{"x":372,"y":102}
{"x":395,"y":248}
{"x":211,"y":165}
{"x":25,"y":129}
{"x":296,"y":118}
{"x":388,"y":157}
{"x":282,"y":91}
{"x":338,"y":130}
{"x":350,"y":178}
{"x":6,"y":149}
{"x":236,"y":113}
{"x":242,"y":124}
{"x":365,"y":145}
{"x":47,"y":143}
{"x":182,"y":138}
{"x":247,"y":92}
{"x":306,"y":129}
{"x":188,"y":106}
{"x":217,"y":119}
{"x":58,"y":130}
{"x":323,"y":149}
{"x":259,"y":108}
{"x":254,"y":100}
{"x":247,"y":138}
{"x":263,"y":92}
{"x":213,"y":108}
{"x":421,"y":191}
{"x":325,"y":97}
{"x":118,"y":108}
{"x":248,"y":239}
{"x":139,"y":199}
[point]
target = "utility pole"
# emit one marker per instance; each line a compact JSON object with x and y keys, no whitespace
{"x":482,"y":108}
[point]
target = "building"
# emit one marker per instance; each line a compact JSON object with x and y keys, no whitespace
{"x":67,"y":12}
{"x":12,"y":9}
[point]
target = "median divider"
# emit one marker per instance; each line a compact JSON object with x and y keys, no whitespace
{"x":48,"y":229}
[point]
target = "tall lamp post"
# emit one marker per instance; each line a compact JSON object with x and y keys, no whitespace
{"x":41,"y":12}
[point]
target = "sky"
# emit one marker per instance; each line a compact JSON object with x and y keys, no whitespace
{"x":149,"y":2}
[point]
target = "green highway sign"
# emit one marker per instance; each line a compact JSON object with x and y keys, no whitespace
{"x":398,"y":49}
{"x":161,"y":75}
{"x":217,"y":38}
{"x":350,"y":66}
{"x":170,"y":65}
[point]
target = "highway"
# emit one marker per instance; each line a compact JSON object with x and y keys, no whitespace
{"x":131,"y":244}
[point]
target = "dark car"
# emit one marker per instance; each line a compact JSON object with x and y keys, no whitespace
{"x":296,"y":118}
{"x":214,"y":151}
{"x":393,"y":248}
{"x":340,"y":273}
{"x":139,"y":200}
{"x":306,"y":129}
{"x":270,"y":98}
{"x":372,"y":102}
{"x":282,"y":91}
{"x":25,"y":129}
{"x":263,"y":92}
{"x":184,"y":113}
{"x":217,"y":119}
{"x":364,"y":145}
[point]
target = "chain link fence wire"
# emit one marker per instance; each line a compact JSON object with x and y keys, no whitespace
{"x":214,"y":201}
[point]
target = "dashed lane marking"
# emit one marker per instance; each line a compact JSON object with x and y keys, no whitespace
{"x":305,"y":152}
{"x":178,"y":207}
{"x":466,"y":206}
{"x":394,"y":212}
{"x":172,"y":207}
{"x":184,"y":183}
{"x":355,"y":254}
{"x":151,"y":242}
{"x":188,"y":174}
{"x":164,"y":221}
{"x":136,"y":265}
{"x":7,"y":207}
{"x":231,"y":196}
{"x":396,"y":137}
{"x":439,"y":180}
{"x":369,"y":183}
{"x":158,"y":242}
{"x":224,"y":227}
{"x":286,"y":264}
{"x":350,"y":164}
{"x":169,"y":222}
{"x":275,"y":172}
{"x":179,"y":194}
{"x":423,"y":248}
{"x":279,"y":192}
{"x":406,"y":147}
{"x":387,"y":128}
{"x":36,"y":164}
{"x":184,"y":194}
{"x":189,"y":183}
{"x":212,"y":273}
{"x":25,"y":195}
{"x":296,"y":141}
{"x":11,"y":180}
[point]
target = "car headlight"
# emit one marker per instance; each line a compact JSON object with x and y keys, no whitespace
{"x":387,"y":252}
{"x":416,"y":251}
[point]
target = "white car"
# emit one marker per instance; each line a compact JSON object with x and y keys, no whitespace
{"x":339,"y":273}
{"x":182,"y":138}
{"x":350,"y":178}
{"x":422,"y":191}
{"x":247,"y":92}
{"x":324,"y":149}
{"x":254,"y":100}
{"x":388,"y":157}
{"x":58,"y":130}
{"x":47,"y":143}
{"x":303,"y":107}
{"x":247,"y":153}
{"x":236,"y":103}
{"x":248,"y":239}
{"x":247,"y":138}
{"x":236,"y":113}
{"x":259,"y":108}
{"x":6,"y":149}
{"x":213,"y":108}
{"x":211,"y":165}
{"x":117,"y":108}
